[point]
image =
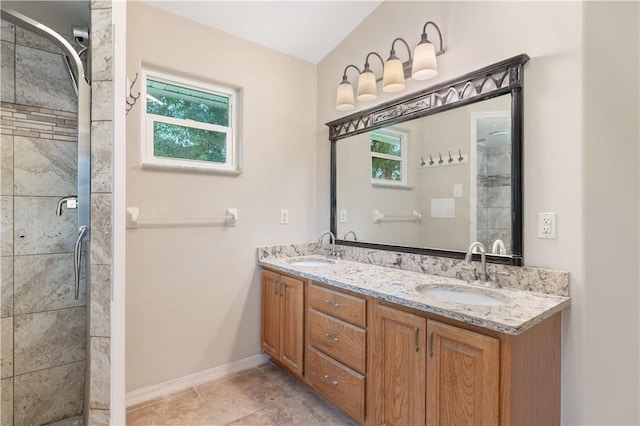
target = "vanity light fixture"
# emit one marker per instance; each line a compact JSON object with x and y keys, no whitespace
{"x":344,"y":97}
{"x":393,"y":77}
{"x":424,"y":57}
{"x":423,"y":66}
{"x":367,"y":90}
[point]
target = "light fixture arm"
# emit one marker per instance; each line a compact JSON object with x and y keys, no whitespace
{"x":425,"y":39}
{"x":366,"y":61}
{"x":344,"y":74}
{"x":393,"y":51}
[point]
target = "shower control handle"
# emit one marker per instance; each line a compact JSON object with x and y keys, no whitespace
{"x":77,"y":257}
{"x":71,"y":201}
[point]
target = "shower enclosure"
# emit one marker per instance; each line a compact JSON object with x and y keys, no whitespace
{"x":45,"y":210}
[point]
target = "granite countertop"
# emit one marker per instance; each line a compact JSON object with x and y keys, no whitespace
{"x":522,"y":310}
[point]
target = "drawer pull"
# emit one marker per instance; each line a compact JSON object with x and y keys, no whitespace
{"x":431,"y":344}
{"x":329,"y":302}
{"x":330,"y":380}
{"x":332,"y":337}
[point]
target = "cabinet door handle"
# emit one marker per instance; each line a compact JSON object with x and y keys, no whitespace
{"x":417,"y":339}
{"x":431,"y":344}
{"x":329,"y":302}
{"x":330,"y":380}
{"x":276,"y":286}
{"x":281,"y":291}
{"x":332,"y":337}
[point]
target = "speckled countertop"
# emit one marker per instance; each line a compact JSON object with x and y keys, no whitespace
{"x":522,"y":310}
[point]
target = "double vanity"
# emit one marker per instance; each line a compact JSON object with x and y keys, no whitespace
{"x":394,"y":346}
{"x":392,"y":333}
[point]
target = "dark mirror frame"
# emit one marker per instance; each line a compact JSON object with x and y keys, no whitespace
{"x":505,"y":77}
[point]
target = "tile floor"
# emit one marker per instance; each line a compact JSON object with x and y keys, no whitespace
{"x":260,"y":396}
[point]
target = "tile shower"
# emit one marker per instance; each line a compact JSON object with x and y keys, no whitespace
{"x":52,"y":345}
{"x":494,"y":195}
{"x":43,"y":327}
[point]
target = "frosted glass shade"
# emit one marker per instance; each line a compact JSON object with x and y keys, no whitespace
{"x":393,"y":78}
{"x":424,"y":62}
{"x":367,"y":90}
{"x":344,"y":97}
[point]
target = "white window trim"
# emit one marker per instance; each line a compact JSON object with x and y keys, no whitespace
{"x":402,"y":158}
{"x":147,"y":157}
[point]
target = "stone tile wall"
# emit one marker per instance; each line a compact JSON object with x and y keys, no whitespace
{"x":43,"y":329}
{"x":99,"y":388}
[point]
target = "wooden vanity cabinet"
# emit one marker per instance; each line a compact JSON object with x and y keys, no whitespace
{"x":283,"y":319}
{"x":463,"y":376}
{"x":426,"y":369}
{"x":386,"y":364}
{"x":396,"y":376}
{"x":336,"y":348}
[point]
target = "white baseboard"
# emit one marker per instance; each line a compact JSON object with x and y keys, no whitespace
{"x":162,"y":389}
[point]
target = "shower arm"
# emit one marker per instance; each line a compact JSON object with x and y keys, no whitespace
{"x":35,"y":26}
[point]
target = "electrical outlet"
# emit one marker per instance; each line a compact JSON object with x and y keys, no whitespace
{"x":343,"y":216}
{"x":547,"y":225}
{"x":284,"y":216}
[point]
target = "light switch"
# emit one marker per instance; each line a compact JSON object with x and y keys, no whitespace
{"x":343,"y":216}
{"x":284,"y":216}
{"x":457,"y":190}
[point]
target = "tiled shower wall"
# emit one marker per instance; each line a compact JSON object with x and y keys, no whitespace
{"x":99,"y":388}
{"x":43,"y":328}
{"x":494,"y":196}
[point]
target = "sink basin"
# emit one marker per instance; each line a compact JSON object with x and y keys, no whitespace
{"x":464,"y":295}
{"x":311,"y":262}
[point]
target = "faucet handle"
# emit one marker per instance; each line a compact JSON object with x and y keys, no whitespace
{"x":493,"y":275}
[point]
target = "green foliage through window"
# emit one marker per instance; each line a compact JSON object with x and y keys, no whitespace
{"x":178,"y":102}
{"x":386,"y":156}
{"x":189,"y":124}
{"x":173,"y":141}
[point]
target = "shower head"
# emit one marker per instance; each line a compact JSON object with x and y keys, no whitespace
{"x":81,"y":34}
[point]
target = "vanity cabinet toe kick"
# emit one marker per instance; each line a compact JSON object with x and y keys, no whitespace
{"x":382,"y":363}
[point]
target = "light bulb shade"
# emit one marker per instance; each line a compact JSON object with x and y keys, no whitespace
{"x":344,"y":97}
{"x":367,"y":90}
{"x":424,"y":61}
{"x":393,"y":77}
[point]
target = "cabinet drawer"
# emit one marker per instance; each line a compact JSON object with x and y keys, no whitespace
{"x":342,"y":386}
{"x":348,"y":308}
{"x":338,"y":339}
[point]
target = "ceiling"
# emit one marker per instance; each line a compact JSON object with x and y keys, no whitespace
{"x":307,"y":30}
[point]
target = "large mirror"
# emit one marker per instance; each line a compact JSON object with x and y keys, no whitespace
{"x":437,"y":180}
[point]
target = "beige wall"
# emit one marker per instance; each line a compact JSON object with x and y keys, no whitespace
{"x":193,"y":293}
{"x":573,"y":118}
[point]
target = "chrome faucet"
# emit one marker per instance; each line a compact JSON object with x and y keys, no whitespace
{"x":483,"y":260}
{"x":71,"y":202}
{"x":332,"y":240}
{"x":355,"y":237}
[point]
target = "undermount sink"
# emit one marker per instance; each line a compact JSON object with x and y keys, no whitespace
{"x":464,"y":295}
{"x":311,"y":261}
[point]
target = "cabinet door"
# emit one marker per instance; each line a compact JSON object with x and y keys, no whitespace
{"x":462,"y":376}
{"x":271,"y":314}
{"x":397,"y":368}
{"x":292,"y":321}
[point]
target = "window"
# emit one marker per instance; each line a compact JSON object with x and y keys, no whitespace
{"x":388,"y":155}
{"x":188,"y":124}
